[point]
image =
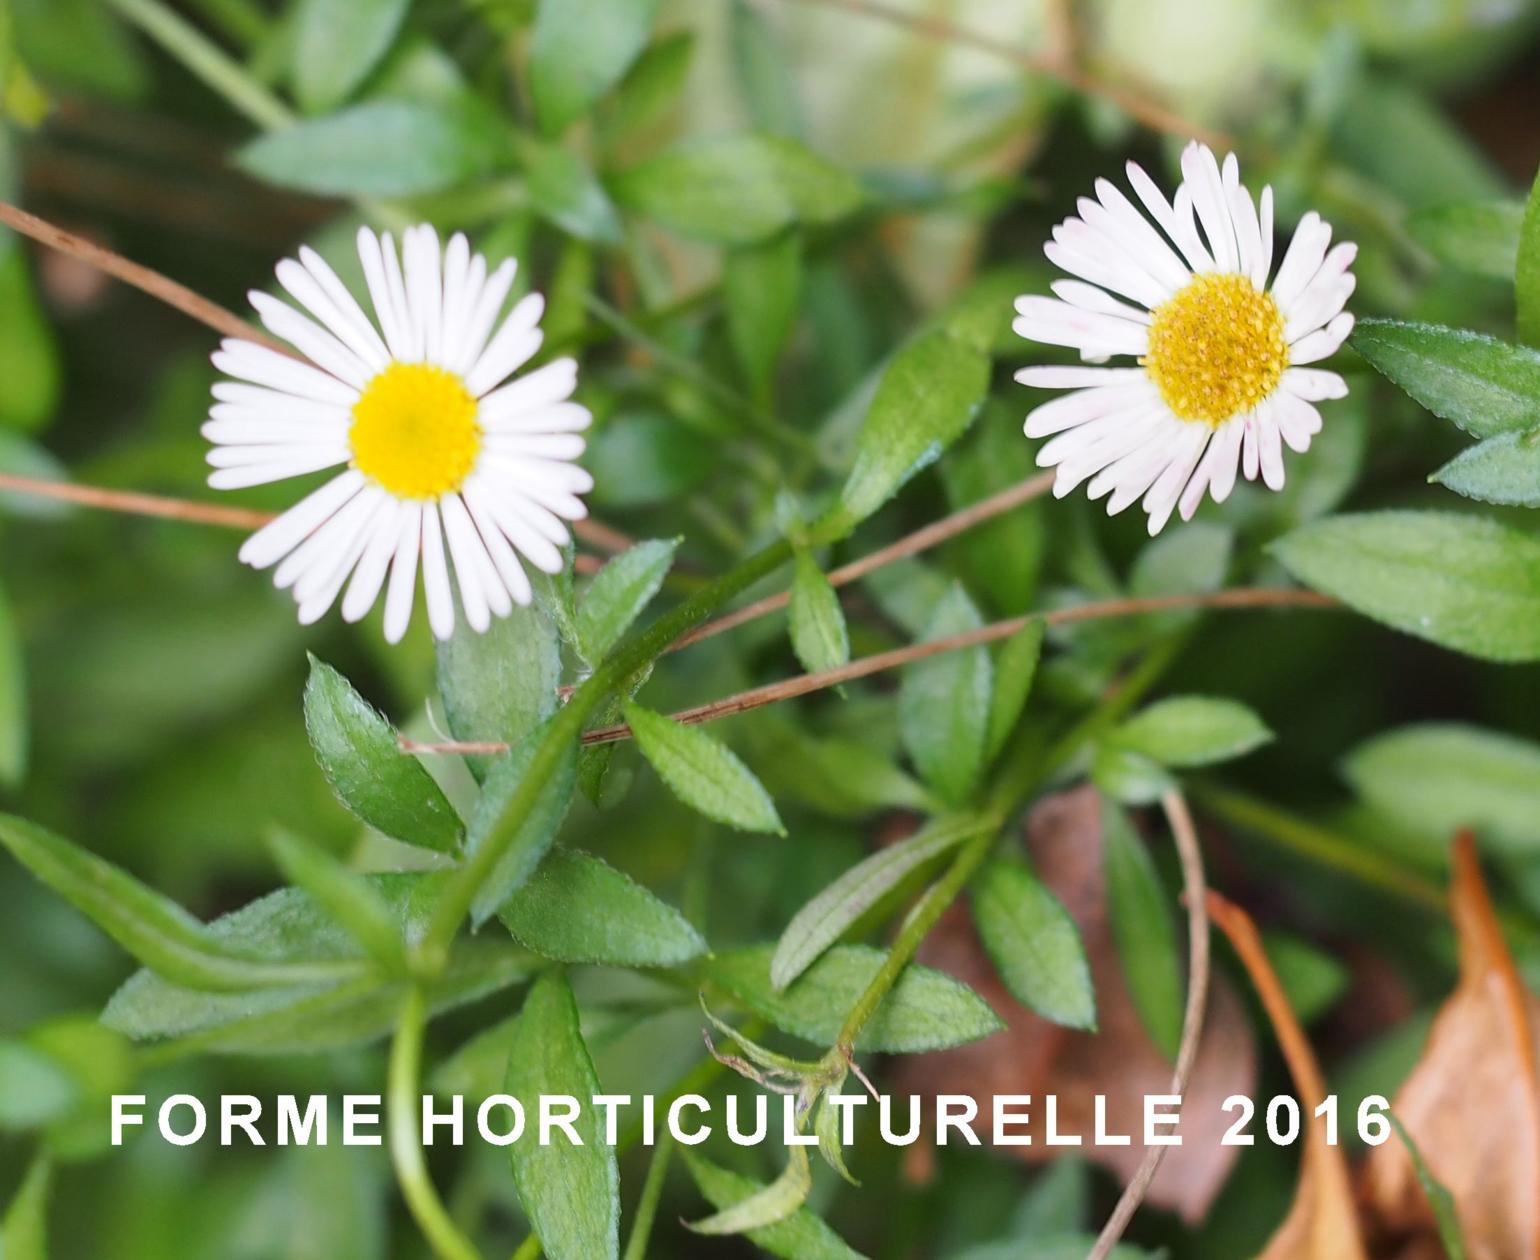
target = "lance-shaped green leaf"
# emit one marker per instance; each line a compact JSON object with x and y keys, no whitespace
{"x":767,"y":1206}
{"x":1526,"y":274}
{"x":837,"y":776}
{"x":362,"y":760}
{"x":1142,"y":930}
{"x":762,"y":285}
{"x":927,"y":397}
{"x":1034,"y":944}
{"x":943,"y":703}
{"x":154,"y":929}
{"x":818,"y":633}
{"x":827,"y":916}
{"x":736,"y":190}
{"x":580,"y":49}
{"x":1185,"y":731}
{"x":500,"y":685}
{"x":382,"y":148}
{"x":564,"y":190}
{"x":704,"y":774}
{"x":578,"y":909}
{"x":925,"y":1009}
{"x":1480,"y":237}
{"x":1504,"y":469}
{"x":325,"y":1014}
{"x":1438,"y":777}
{"x":570,"y":1193}
{"x":1484,"y":385}
{"x":529,"y":845}
{"x":1459,"y":581}
{"x":799,"y":1236}
{"x":1015,"y":667}
{"x":336,"y":43}
{"x":619,"y":593}
{"x":350,"y":899}
{"x":651,"y":86}
{"x":24,"y":1227}
{"x":1439,"y":1198}
{"x":13,"y":700}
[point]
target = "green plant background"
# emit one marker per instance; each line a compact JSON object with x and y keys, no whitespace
{"x":782,"y":238}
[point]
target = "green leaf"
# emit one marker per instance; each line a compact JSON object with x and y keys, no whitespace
{"x":336,"y":43}
{"x":1142,"y":930}
{"x":348,"y":898}
{"x":837,"y":776}
{"x":735,"y":190}
{"x":651,"y":87}
{"x":927,"y":397}
{"x":619,"y":593}
{"x":580,"y":49}
{"x":766,"y":1207}
{"x":310,"y":1017}
{"x":24,"y":1227}
{"x":538,"y":831}
{"x":1015,"y":667}
{"x":1034,"y":943}
{"x":384,"y":148}
{"x":1312,"y":979}
{"x":500,"y":685}
{"x":571,"y":1194}
{"x":1439,"y":777}
{"x":1526,"y":273}
{"x":578,"y":909}
{"x":764,"y":73}
{"x":154,"y":929}
{"x":1439,"y":1198}
{"x":13,"y":700}
{"x":705,"y":775}
{"x":818,"y":633}
{"x":1479,"y":237}
{"x":1459,"y":581}
{"x":30,"y":372}
{"x":361,"y":759}
{"x":1127,"y":776}
{"x":1484,"y":385}
{"x":943,"y":703}
{"x":830,"y":914}
{"x":800,"y":1236}
{"x":1185,"y":731}
{"x":563,"y":190}
{"x":925,"y":1009}
{"x":762,"y":284}
{"x":1504,"y":469}
{"x":34,"y":1087}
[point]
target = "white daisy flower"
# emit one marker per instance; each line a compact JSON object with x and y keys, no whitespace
{"x":1221,"y":379}
{"x":439,"y":445}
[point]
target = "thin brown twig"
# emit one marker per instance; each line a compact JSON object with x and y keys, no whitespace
{"x":140,"y":277}
{"x":910,"y":545}
{"x":802,"y":684}
{"x":1195,"y":894}
{"x":1151,"y":113}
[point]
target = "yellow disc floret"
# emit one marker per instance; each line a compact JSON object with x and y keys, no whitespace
{"x":1216,"y":348}
{"x":415,"y":432}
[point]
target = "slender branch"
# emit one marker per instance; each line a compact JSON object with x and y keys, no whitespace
{"x":803,"y":684}
{"x":135,"y":503}
{"x":529,"y":1249}
{"x":1195,"y":894}
{"x":404,"y":1103}
{"x":140,"y":277}
{"x":1050,"y":65}
{"x":652,"y":1194}
{"x":921,"y":540}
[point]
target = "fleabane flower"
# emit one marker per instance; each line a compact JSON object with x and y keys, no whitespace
{"x":445,"y":461}
{"x":1221,"y":379}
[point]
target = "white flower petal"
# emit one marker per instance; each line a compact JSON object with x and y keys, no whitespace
{"x":457,"y":276}
{"x":406,"y":318}
{"x":247,"y":361}
{"x":515,"y":344}
{"x":435,"y":575}
{"x":423,"y":261}
{"x":1301,"y":260}
{"x":464,"y":543}
{"x":315,"y":286}
{"x":1201,"y":171}
{"x":1174,"y":226}
{"x":1053,"y":376}
{"x":256,"y":402}
{"x":1158,"y":257}
{"x":1160,"y":499}
{"x":316,"y":592}
{"x":245,"y":476}
{"x":1323,"y":342}
{"x":369,"y":576}
{"x":1057,"y":323}
{"x":230,"y":426}
{"x":483,"y":315}
{"x":329,"y":540}
{"x":1298,"y":421}
{"x":1084,"y":405}
{"x":1250,"y":459}
{"x":315,"y":455}
{"x":547,"y":384}
{"x":1269,"y":446}
{"x":1325,"y":294}
{"x":1217,"y":469}
{"x":506,"y":560}
{"x":311,"y":340}
{"x":403,"y":573}
{"x":1085,"y":263}
{"x":1089,"y":298}
{"x":562,"y":417}
{"x":1313,"y":384}
{"x":280,"y":536}
{"x":1265,"y":230}
{"x":382,"y":294}
{"x":543,"y":445}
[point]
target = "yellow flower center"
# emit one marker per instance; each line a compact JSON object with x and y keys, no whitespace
{"x":1216,"y":348}
{"x":414,"y":431}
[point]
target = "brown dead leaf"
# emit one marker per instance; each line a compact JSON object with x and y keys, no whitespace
{"x":1119,"y":1062}
{"x":1472,"y":1104}
{"x":1322,"y":1224}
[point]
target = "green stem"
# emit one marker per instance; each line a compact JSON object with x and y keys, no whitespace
{"x":652,"y":1194}
{"x":208,"y":61}
{"x":529,"y":1249}
{"x":567,"y":727}
{"x":403,"y":1103}
{"x":242,"y":20}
